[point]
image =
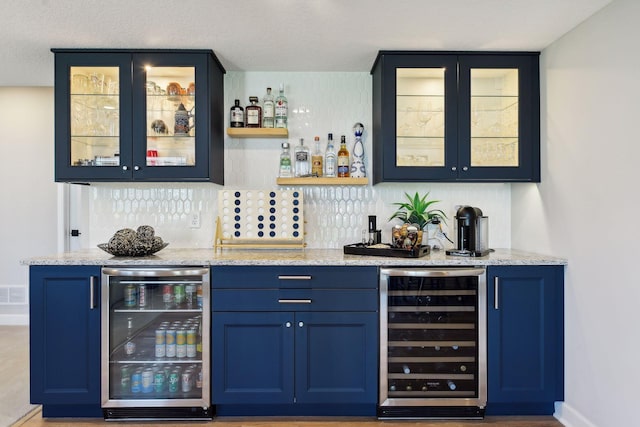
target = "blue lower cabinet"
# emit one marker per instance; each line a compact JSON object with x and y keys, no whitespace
{"x":65,"y":340}
{"x":525,"y":324}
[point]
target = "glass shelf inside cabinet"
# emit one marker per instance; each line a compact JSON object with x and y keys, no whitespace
{"x":171,"y":106}
{"x":494,"y":117}
{"x":95,"y":116}
{"x":420,"y":116}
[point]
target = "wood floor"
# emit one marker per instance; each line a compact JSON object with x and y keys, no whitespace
{"x":34,"y":419}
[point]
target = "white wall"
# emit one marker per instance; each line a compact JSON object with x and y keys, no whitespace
{"x":586,"y":209}
{"x":27,"y":191}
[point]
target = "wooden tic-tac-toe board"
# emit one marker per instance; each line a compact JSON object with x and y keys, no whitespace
{"x":260,"y":218}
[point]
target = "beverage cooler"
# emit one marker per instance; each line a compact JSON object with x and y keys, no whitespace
{"x":155,"y":343}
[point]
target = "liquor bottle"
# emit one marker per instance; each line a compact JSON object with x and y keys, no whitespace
{"x":357,"y":165}
{"x":316,"y":159}
{"x":301,"y":154}
{"x":330,"y":158}
{"x":343,"y":158}
{"x":237,"y":115}
{"x":130,"y":345}
{"x":268,"y":110}
{"x":282,"y":109}
{"x":253,"y":113}
{"x":285,"y":161}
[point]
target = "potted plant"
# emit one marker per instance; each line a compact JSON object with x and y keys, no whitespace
{"x":414,"y":211}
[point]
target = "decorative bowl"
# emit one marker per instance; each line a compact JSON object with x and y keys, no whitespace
{"x":132,"y":252}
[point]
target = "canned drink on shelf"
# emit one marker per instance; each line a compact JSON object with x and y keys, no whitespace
{"x":190,"y":294}
{"x":136,"y":382}
{"x":187,"y":381}
{"x":160,"y":342}
{"x":199,"y":379}
{"x":191,"y":343}
{"x":199,"y":295}
{"x":170,"y":340}
{"x":129,"y":295}
{"x":158,"y":382}
{"x":179,"y":293}
{"x":147,"y":380}
{"x":181,"y":343}
{"x":142,"y":295}
{"x":167,"y":294}
{"x":174,"y":380}
{"x":125,"y":378}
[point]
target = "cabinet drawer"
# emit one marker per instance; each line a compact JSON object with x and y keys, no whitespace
{"x":294,"y":300}
{"x":294,"y":277}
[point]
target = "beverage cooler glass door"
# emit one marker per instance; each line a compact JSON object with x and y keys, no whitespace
{"x":95,"y":116}
{"x":171,"y":103}
{"x":155,"y":337}
{"x":432,"y":338}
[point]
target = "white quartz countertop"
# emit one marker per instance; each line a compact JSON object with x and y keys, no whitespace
{"x":321,"y":257}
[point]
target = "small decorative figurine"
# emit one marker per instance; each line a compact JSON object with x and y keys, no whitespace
{"x":182,"y":116}
{"x":357,"y":165}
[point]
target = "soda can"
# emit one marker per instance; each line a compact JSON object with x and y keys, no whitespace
{"x":158,"y":382}
{"x":142,"y":295}
{"x":179,"y":293}
{"x":187,"y":378}
{"x":147,"y":381}
{"x":136,"y":382}
{"x":129,"y":295}
{"x":199,"y":295}
{"x":174,"y":379}
{"x":170,"y":340}
{"x":191,"y":343}
{"x":167,"y":294}
{"x":160,"y":342}
{"x":190,"y":294}
{"x":125,"y":378}
{"x":181,"y":343}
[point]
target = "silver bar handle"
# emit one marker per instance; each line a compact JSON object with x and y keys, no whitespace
{"x":294,"y":277}
{"x":496,"y":287}
{"x":294,"y":301}
{"x":92,"y":298}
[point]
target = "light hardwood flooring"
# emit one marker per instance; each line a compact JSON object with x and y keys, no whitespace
{"x":35,"y":420}
{"x":14,"y":371}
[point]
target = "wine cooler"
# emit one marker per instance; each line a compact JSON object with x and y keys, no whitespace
{"x":433,"y":343}
{"x":155,"y":343}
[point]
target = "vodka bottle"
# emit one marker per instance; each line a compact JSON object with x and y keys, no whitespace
{"x":282,"y":108}
{"x":343,"y":158}
{"x":268,"y":110}
{"x":285,"y":161}
{"x":253,"y":113}
{"x":237,"y":115}
{"x":330,"y":158}
{"x":302,"y":159}
{"x":316,"y":159}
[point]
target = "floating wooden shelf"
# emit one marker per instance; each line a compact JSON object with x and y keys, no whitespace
{"x":322,"y":181}
{"x":258,"y":132}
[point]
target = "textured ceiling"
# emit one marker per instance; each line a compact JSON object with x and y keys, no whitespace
{"x":277,"y":35}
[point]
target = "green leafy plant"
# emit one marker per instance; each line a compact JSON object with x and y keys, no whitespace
{"x":416,"y":210}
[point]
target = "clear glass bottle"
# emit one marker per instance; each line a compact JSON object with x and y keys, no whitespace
{"x":253,"y":113}
{"x":130,"y":345}
{"x":317,"y":159}
{"x":237,"y":115}
{"x":343,"y":158}
{"x":285,"y":162}
{"x":268,"y":110}
{"x":330,"y":158}
{"x":282,"y":109}
{"x":301,"y":154}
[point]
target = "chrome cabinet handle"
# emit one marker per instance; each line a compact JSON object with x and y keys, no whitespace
{"x":136,"y":168}
{"x":294,"y":301}
{"x":294,"y":277}
{"x":465,"y":168}
{"x":125,"y":168}
{"x":92,"y":285}
{"x":496,"y":287}
{"x":301,"y":324}
{"x":288,"y":324}
{"x":454,"y":168}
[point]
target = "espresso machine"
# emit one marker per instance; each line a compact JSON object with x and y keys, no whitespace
{"x":473,"y":233}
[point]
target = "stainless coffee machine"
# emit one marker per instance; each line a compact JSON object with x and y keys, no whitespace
{"x":473,"y":233}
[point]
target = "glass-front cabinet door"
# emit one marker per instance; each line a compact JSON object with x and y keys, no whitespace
{"x":139,"y":115}
{"x":455,"y":117}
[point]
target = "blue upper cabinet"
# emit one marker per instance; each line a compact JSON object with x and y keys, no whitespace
{"x":64,"y":305}
{"x":451,"y":116}
{"x":138,"y":115}
{"x":525,"y":339}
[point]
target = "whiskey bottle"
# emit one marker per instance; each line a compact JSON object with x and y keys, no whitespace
{"x":316,"y":159}
{"x":237,"y":115}
{"x":268,"y":110}
{"x":330,"y":158}
{"x":253,"y":113}
{"x":301,"y":154}
{"x":282,"y":109}
{"x":343,"y":158}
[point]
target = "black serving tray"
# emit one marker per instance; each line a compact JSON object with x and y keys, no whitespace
{"x":362,"y":249}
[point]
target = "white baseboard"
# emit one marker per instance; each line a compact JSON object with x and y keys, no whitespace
{"x":570,"y":417}
{"x":14,"y":319}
